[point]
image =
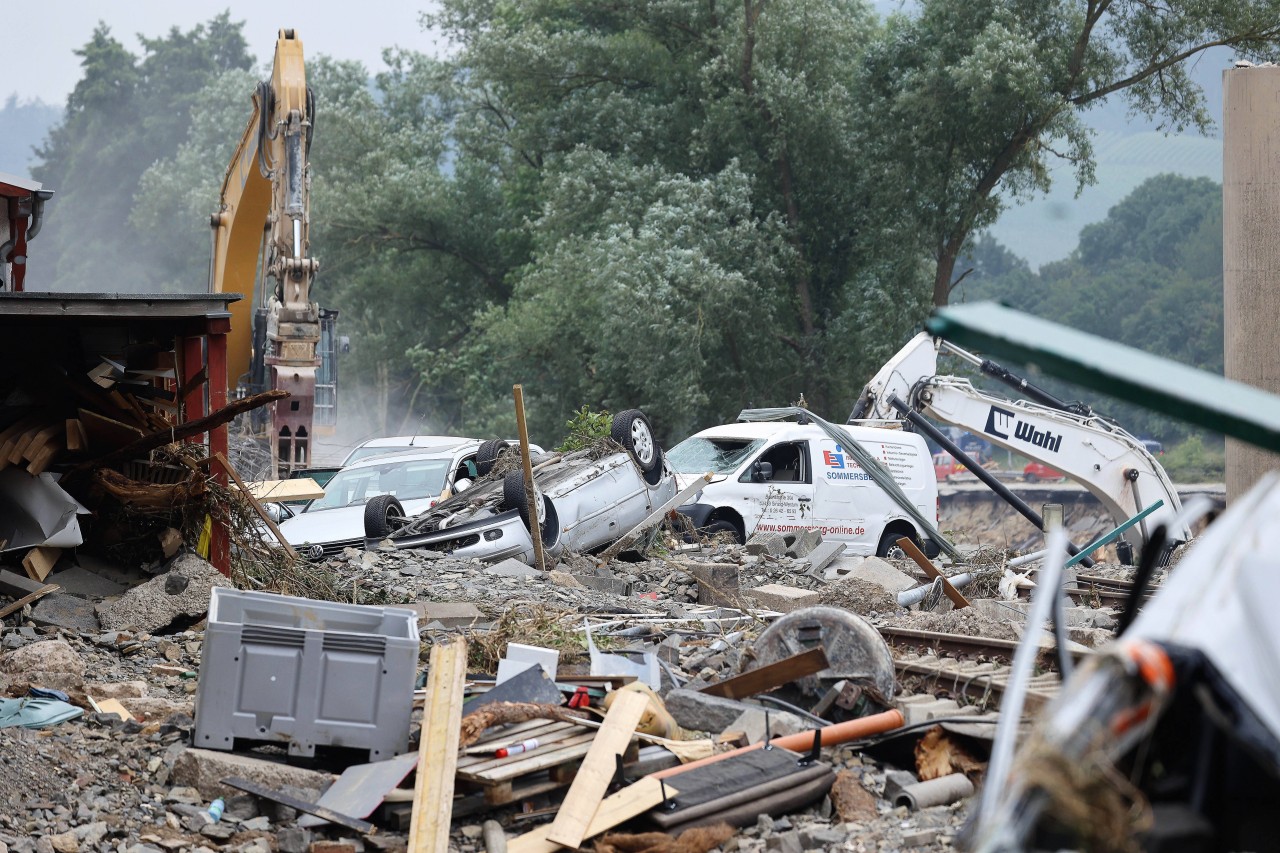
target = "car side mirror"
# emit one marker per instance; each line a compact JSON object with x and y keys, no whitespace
{"x":276,"y":512}
{"x":762,"y":472}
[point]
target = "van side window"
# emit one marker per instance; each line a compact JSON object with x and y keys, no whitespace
{"x":790,"y":464}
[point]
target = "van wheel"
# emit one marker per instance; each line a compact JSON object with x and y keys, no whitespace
{"x":722,"y":526}
{"x":382,"y":516}
{"x":890,"y":548}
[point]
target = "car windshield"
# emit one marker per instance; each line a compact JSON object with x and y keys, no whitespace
{"x":698,"y":455}
{"x":407,"y":480}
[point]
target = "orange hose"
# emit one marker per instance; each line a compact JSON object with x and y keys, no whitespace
{"x":802,"y":741}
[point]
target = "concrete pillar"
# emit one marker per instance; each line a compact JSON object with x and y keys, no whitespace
{"x":1251,"y":248}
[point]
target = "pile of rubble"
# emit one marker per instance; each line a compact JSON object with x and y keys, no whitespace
{"x":726,"y":636}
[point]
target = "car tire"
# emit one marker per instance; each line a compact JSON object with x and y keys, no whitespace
{"x":513,"y":497}
{"x":488,"y":454}
{"x":722,"y":526}
{"x":888,"y":547}
{"x":633,"y":431}
{"x":1031,"y":478}
{"x":380,"y":513}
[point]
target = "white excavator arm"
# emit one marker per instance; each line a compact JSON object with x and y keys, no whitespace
{"x":1113,"y":465}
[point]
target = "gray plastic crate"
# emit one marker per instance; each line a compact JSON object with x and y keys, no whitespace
{"x":306,"y":673}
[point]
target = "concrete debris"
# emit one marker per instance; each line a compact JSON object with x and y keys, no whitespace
{"x":696,"y":616}
{"x":181,"y":595}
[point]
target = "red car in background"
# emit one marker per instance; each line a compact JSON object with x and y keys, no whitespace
{"x":1035,"y":472}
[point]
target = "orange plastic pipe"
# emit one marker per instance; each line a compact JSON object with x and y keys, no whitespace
{"x":831,"y":736}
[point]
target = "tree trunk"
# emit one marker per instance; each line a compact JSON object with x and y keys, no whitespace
{"x":942,"y":274}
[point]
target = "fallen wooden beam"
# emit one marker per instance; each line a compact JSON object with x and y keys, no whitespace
{"x":438,"y":748}
{"x":614,"y":809}
{"x":592,"y":780}
{"x":27,"y":599}
{"x":770,"y":676}
{"x":257,"y":507}
{"x":301,"y":805}
{"x":932,"y":571}
{"x":653,"y":518}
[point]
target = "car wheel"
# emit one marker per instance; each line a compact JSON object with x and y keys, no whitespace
{"x":382,"y":515}
{"x":633,"y":431}
{"x":722,"y":527}
{"x":513,"y":497}
{"x":488,"y":454}
{"x":890,"y":548}
{"x":1030,"y":478}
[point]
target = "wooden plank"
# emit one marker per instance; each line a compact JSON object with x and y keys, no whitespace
{"x":41,"y":461}
{"x":770,"y":676}
{"x":112,"y":706}
{"x":27,"y":599}
{"x":32,"y":438}
{"x":301,"y":805}
{"x":580,"y":804}
{"x":14,"y":431}
{"x":479,"y":752}
{"x":932,"y":571}
{"x":75,"y":436}
{"x":274,"y":491}
{"x":533,"y":761}
{"x":502,"y":734}
{"x":438,"y":749}
{"x":39,"y":561}
{"x":621,"y":806}
{"x":104,"y":432}
{"x":257,"y":507}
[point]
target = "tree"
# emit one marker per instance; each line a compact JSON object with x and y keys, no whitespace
{"x":125,"y":113}
{"x":972,"y":99}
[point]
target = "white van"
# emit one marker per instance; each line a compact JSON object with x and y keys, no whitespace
{"x":785,"y":476}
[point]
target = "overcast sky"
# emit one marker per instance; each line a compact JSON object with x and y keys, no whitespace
{"x":40,"y":35}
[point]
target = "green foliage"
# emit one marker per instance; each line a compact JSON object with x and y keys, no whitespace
{"x":1149,"y":276}
{"x":1193,"y":461}
{"x":585,"y":429}
{"x":21,"y":121}
{"x":126,"y":113}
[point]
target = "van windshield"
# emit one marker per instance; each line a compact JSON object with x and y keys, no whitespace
{"x":698,"y":455}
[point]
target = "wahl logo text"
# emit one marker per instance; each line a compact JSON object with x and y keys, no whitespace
{"x":1002,"y":422}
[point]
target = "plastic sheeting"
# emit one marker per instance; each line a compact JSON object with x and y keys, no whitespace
{"x":869,"y":464}
{"x":1222,"y":598}
{"x":36,"y":511}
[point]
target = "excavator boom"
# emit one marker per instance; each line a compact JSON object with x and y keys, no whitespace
{"x":1096,"y":453}
{"x":267,"y":186}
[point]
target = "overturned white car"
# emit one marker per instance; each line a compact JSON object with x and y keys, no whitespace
{"x":585,"y":499}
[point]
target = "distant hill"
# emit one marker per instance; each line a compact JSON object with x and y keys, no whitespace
{"x":23,"y":125}
{"x":1128,"y":151}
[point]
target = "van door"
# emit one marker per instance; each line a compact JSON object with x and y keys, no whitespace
{"x":843,"y":495}
{"x":783,"y":498}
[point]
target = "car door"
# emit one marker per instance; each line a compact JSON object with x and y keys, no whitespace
{"x":842,"y":494}
{"x":779,"y":482}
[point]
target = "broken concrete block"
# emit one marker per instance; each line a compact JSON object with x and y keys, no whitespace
{"x":48,"y":663}
{"x":803,"y":543}
{"x":613,"y":586}
{"x":822,"y":555}
{"x":920,"y":708}
{"x":784,"y":599}
{"x":512,"y":568}
{"x":450,"y":614}
{"x":68,"y":612}
{"x":873,"y":570}
{"x":772,"y":544}
{"x":785,"y":842}
{"x":77,"y":581}
{"x":701,"y":712}
{"x":751,"y":722}
{"x":718,"y":584}
{"x":180,"y":596}
{"x":204,"y":770}
{"x":116,"y":689}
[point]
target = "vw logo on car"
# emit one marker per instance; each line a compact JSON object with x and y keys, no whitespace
{"x":315,"y":553}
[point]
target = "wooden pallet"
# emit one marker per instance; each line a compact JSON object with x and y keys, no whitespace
{"x":551,"y":765}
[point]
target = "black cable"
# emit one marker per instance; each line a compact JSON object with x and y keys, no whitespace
{"x":1142,"y":577}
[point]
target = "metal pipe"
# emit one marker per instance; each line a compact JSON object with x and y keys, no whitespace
{"x":1017,"y":383}
{"x":981,"y":473}
{"x":942,"y":791}
{"x":1026,"y":558}
{"x":908,"y":597}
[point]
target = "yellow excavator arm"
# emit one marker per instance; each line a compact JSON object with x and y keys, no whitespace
{"x":264,"y":213}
